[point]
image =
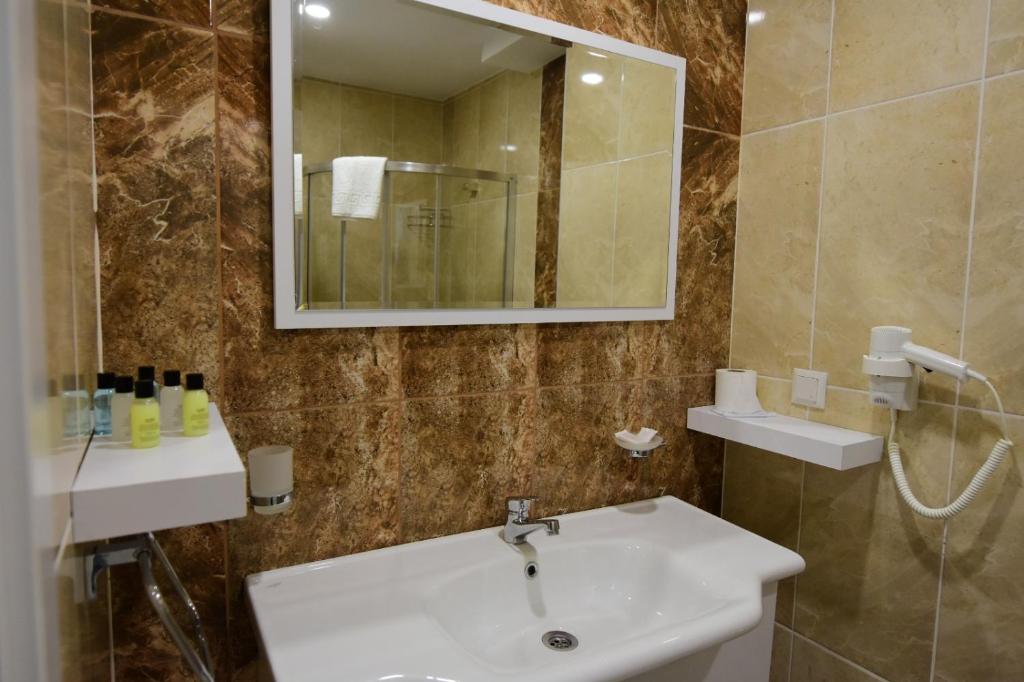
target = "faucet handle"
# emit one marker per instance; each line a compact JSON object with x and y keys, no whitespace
{"x":520,"y":506}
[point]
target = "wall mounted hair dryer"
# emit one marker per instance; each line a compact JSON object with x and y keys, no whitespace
{"x":890,"y":364}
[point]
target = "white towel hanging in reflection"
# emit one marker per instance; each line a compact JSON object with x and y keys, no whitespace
{"x":357,"y":183}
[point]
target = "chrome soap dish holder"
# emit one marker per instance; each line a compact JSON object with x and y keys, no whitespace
{"x":641,"y":450}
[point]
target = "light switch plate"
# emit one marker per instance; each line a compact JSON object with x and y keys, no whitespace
{"x":809,"y":388}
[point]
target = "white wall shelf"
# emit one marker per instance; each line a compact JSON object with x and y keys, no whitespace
{"x":181,"y":482}
{"x":829,"y":446}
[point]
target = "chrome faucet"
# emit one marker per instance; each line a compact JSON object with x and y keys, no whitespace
{"x":519,"y":525}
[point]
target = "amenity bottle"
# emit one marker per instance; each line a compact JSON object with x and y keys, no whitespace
{"x":145,"y":416}
{"x":121,"y":409}
{"x":195,"y":411}
{"x":171,"y":395}
{"x":101,"y":401}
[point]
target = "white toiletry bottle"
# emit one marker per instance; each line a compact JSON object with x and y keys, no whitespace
{"x":170,"y":402}
{"x":121,"y":409}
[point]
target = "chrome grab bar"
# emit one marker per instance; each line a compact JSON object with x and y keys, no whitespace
{"x":141,"y":549}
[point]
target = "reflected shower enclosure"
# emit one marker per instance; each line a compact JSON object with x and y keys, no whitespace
{"x":444,"y":238}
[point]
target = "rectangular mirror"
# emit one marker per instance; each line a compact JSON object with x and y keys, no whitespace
{"x":454,"y":162}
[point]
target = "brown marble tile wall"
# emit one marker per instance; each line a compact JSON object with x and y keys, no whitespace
{"x":880,"y":186}
{"x":381,"y":419}
{"x":552,"y":103}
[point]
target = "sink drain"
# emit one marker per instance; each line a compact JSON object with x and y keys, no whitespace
{"x":559,"y":640}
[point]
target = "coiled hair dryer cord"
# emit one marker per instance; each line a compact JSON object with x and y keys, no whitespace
{"x":981,"y":477}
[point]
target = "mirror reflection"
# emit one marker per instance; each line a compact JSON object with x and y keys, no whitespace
{"x":444,"y":163}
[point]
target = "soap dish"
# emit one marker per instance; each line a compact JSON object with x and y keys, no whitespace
{"x":640,"y":450}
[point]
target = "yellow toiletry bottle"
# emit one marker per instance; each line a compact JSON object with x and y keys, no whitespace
{"x":195,"y":407}
{"x":145,"y":416}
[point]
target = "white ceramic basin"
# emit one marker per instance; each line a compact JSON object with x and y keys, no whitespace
{"x":639,"y":585}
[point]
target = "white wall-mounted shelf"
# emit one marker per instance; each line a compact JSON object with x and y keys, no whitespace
{"x":181,"y":482}
{"x":829,"y":446}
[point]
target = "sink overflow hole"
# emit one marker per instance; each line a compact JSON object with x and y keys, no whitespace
{"x":559,"y":640}
{"x":532,"y":569}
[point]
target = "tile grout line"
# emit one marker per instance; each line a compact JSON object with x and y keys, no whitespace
{"x":894,"y":100}
{"x":834,"y":654}
{"x":814,"y":297}
{"x":963,"y":336}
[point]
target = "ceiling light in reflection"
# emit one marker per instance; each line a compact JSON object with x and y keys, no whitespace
{"x":597,"y":54}
{"x":591,"y":78}
{"x":317,"y":11}
{"x":509,"y":147}
{"x":755,"y":17}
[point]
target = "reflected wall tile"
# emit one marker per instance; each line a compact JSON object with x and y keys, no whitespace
{"x":546,"y":254}
{"x":640,"y":258}
{"x":689,"y":466}
{"x":993,"y":342}
{"x":552,"y":108}
{"x":589,"y":353}
{"x":321,"y":121}
{"x":697,"y":340}
{"x":195,"y":12}
{"x":346,"y":470}
{"x":863,"y":545}
{"x":154,"y":102}
{"x":787,"y":62}
{"x":648,"y":109}
{"x":774,"y":287}
{"x":417,"y":130}
{"x":366,"y":122}
{"x":578,"y":464}
{"x":494,"y":104}
{"x":630,"y":20}
{"x":586,"y":233}
{"x":881,"y":52}
{"x":590,"y":132}
{"x":526,"y":250}
{"x":461,"y":457}
{"x":982,"y":608}
{"x":895,"y":219}
{"x":814,"y":663}
{"x":243,"y":16}
{"x":1006,"y":37}
{"x":439,"y":361}
{"x":523,"y":158}
{"x":710,"y":35}
{"x":466,"y":129}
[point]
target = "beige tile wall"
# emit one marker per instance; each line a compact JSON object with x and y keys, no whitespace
{"x":616,"y":180}
{"x":495,"y":126}
{"x":880,"y":184}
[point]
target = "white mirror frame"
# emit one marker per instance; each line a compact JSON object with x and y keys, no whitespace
{"x":285,"y":314}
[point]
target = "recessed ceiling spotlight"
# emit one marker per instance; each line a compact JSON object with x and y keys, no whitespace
{"x":591,"y":78}
{"x":755,"y":17}
{"x":317,"y":11}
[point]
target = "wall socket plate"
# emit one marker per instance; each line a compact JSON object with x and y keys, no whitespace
{"x":809,"y":388}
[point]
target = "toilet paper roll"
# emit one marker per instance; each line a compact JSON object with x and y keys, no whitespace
{"x":736,"y":392}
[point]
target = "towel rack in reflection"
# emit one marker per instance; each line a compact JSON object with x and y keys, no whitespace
{"x":141,"y":549}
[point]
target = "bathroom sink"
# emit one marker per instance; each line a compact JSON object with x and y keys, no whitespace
{"x":634,"y":587}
